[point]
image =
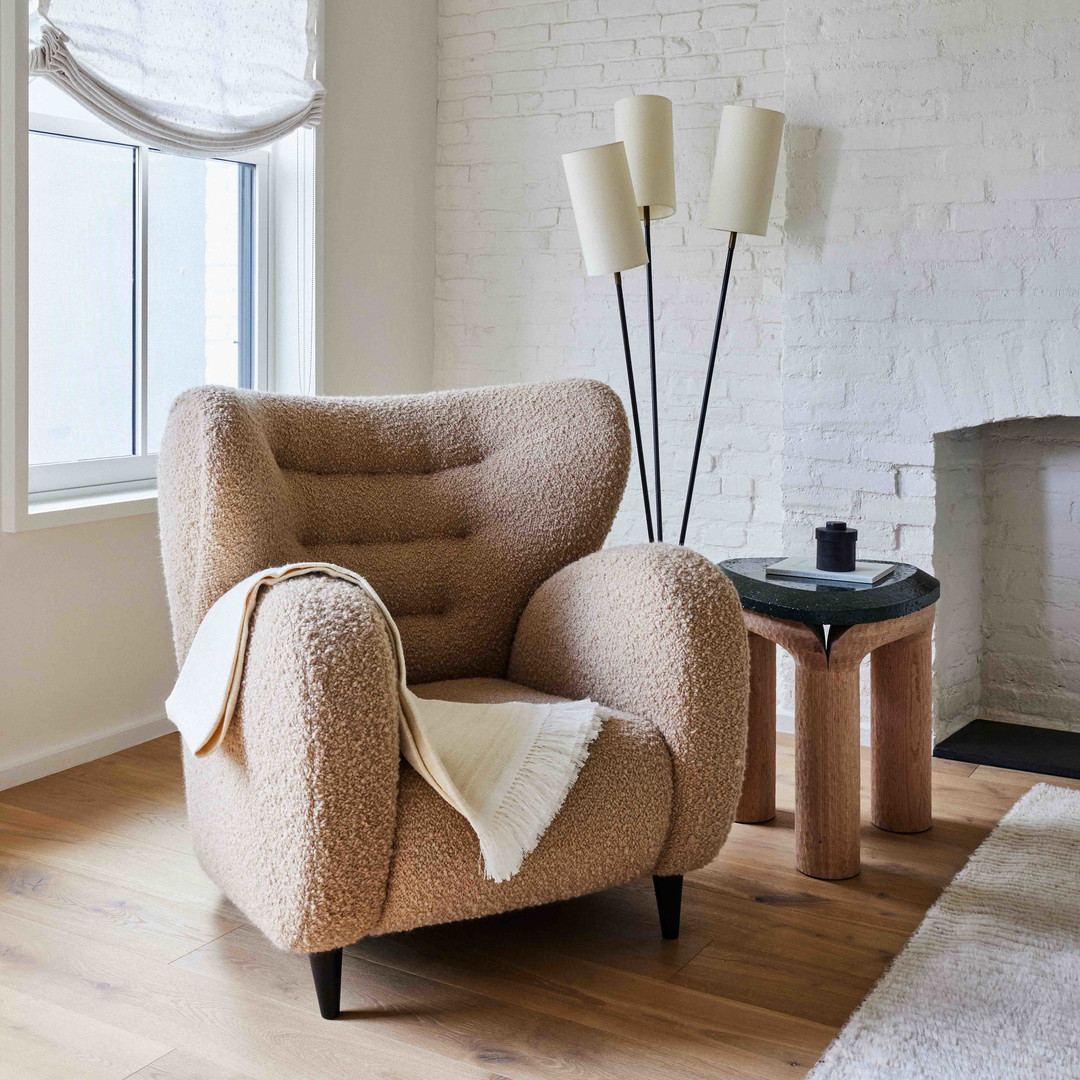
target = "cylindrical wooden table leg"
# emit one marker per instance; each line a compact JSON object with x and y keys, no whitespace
{"x":758,"y":802}
{"x":900,"y":734}
{"x":827,"y":771}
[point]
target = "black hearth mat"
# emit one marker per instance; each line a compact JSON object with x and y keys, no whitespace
{"x":1014,"y":746}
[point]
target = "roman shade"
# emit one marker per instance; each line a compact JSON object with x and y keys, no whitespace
{"x":192,"y":76}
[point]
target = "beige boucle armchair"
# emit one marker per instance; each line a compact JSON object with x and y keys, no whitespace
{"x":477,"y":515}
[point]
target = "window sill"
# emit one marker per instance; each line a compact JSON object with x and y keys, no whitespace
{"x":77,"y":508}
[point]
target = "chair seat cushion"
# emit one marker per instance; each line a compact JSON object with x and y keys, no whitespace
{"x":610,"y":829}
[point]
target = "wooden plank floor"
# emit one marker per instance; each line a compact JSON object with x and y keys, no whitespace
{"x":118,"y":958}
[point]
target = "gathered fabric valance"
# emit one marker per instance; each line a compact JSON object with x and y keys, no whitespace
{"x":192,"y":76}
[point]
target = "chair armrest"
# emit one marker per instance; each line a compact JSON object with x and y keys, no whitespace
{"x":655,"y":630}
{"x":294,"y":814}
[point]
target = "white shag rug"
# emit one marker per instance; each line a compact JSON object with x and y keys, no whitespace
{"x":988,"y":987}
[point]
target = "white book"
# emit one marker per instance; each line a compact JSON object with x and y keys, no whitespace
{"x":865,"y":573}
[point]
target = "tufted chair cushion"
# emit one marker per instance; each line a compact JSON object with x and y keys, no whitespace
{"x":443,"y":501}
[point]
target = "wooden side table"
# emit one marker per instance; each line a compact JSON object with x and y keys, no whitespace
{"x":828,"y":630}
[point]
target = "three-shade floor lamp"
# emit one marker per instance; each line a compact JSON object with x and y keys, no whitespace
{"x":618,"y":190}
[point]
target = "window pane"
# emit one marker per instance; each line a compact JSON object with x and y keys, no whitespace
{"x":198,"y":327}
{"x":82,"y":267}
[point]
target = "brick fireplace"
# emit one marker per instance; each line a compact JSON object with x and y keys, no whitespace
{"x":1007,"y":538}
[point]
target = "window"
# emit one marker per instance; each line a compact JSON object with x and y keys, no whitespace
{"x":147,"y":275}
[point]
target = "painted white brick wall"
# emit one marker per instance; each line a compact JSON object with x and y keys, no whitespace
{"x":523,"y":82}
{"x":932,"y":247}
{"x":921,"y":275}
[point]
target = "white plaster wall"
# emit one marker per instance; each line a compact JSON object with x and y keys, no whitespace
{"x":85,"y":649}
{"x":377,"y":162}
{"x":523,"y":81}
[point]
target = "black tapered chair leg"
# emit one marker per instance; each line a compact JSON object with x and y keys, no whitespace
{"x":326,"y":970}
{"x":668,"y":903}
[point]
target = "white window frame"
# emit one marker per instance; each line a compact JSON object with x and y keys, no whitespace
{"x":136,"y":473}
{"x":295,"y":260}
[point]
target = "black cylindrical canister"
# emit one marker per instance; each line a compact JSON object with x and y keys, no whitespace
{"x":836,"y":546}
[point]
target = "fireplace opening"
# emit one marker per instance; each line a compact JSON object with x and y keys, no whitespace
{"x":1007,"y":548}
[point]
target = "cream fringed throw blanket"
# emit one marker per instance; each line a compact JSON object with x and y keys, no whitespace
{"x":507,"y":767}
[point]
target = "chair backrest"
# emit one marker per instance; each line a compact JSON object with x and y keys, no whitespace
{"x":455,"y":505}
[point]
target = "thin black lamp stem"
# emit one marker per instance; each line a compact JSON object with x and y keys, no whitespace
{"x":633,"y":405}
{"x":708,"y":388}
{"x":652,"y":379}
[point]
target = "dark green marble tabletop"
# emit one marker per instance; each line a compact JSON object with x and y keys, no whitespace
{"x":824,"y":603}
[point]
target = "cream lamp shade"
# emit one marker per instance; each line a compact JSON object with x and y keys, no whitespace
{"x":744,"y":171}
{"x":643,"y":123}
{"x":605,"y":210}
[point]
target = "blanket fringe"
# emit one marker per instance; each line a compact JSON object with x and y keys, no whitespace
{"x":537,"y":793}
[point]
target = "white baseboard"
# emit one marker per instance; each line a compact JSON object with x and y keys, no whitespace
{"x":23,"y":770}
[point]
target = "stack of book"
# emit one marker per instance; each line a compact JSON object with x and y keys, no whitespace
{"x":865,"y":573}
